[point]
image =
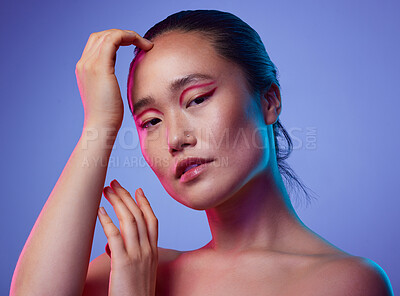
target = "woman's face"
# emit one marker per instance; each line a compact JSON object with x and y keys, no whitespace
{"x":190,"y":90}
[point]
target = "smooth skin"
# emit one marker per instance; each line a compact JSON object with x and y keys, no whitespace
{"x":134,"y":249}
{"x":55,"y":259}
{"x":259,"y":245}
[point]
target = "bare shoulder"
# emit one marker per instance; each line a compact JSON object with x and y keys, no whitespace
{"x":167,"y":255}
{"x":97,"y":278}
{"x":348,"y":275}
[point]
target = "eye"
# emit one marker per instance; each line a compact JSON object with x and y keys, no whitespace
{"x":202,"y":98}
{"x":199,"y":100}
{"x":144,"y":125}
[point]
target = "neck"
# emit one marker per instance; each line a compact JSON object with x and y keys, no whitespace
{"x":259,"y":216}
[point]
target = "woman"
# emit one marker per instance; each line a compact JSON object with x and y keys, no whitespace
{"x":205,"y":100}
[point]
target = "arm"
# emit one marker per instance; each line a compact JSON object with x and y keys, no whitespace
{"x":98,"y":277}
{"x":55,"y":258}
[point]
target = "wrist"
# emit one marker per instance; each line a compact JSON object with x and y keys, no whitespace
{"x":99,"y":135}
{"x":101,"y":124}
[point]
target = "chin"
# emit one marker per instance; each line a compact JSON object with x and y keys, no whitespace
{"x":196,"y":203}
{"x":193,"y":200}
{"x":200,"y":196}
{"x":211,"y":190}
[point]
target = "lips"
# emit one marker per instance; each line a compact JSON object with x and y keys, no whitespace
{"x":186,"y":164}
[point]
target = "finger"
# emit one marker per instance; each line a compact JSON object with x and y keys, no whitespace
{"x":94,"y":46}
{"x":111,"y":42}
{"x":92,"y":40}
{"x":127,"y":221}
{"x":136,"y":211}
{"x":112,"y":233}
{"x":141,"y":42}
{"x":150,"y":218}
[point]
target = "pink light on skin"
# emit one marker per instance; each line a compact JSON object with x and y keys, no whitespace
{"x":148,"y":110}
{"x":139,"y":57}
{"x":193,"y":87}
{"x":180,"y":98}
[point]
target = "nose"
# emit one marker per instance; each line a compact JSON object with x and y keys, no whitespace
{"x":180,"y":135}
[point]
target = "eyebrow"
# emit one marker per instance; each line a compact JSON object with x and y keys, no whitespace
{"x":174,"y":87}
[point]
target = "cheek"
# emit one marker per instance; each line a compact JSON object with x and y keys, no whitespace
{"x":230,"y":126}
{"x":158,"y":163}
{"x":154,"y":155}
{"x":239,"y":136}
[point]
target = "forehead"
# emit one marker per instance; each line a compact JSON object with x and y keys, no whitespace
{"x":175,"y":55}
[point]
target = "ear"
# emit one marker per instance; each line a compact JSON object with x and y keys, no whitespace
{"x":271,"y":104}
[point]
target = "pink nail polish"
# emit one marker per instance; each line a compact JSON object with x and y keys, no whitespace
{"x":116,"y":183}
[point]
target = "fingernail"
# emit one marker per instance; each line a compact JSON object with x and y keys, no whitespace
{"x":116,"y":183}
{"x":108,"y":251}
{"x":148,"y":41}
{"x":102,"y":211}
{"x":141,"y":192}
{"x":107,"y":190}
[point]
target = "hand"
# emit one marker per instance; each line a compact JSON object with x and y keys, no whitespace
{"x":134,"y":250}
{"x":95,"y":73}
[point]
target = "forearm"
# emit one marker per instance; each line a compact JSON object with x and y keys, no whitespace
{"x":56,"y":256}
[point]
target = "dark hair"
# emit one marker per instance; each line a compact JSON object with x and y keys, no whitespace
{"x":234,"y":40}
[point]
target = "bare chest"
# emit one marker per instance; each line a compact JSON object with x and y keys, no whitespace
{"x":235,"y":279}
{"x":224,"y":284}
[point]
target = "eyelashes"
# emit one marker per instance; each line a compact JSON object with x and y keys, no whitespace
{"x":144,"y":124}
{"x":205,"y":97}
{"x":198,"y":100}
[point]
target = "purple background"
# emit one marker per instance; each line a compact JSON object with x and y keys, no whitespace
{"x":339,"y":72}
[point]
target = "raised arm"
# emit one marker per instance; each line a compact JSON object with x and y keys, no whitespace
{"x":55,"y":258}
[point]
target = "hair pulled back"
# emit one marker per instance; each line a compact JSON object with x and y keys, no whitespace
{"x":236,"y":41}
